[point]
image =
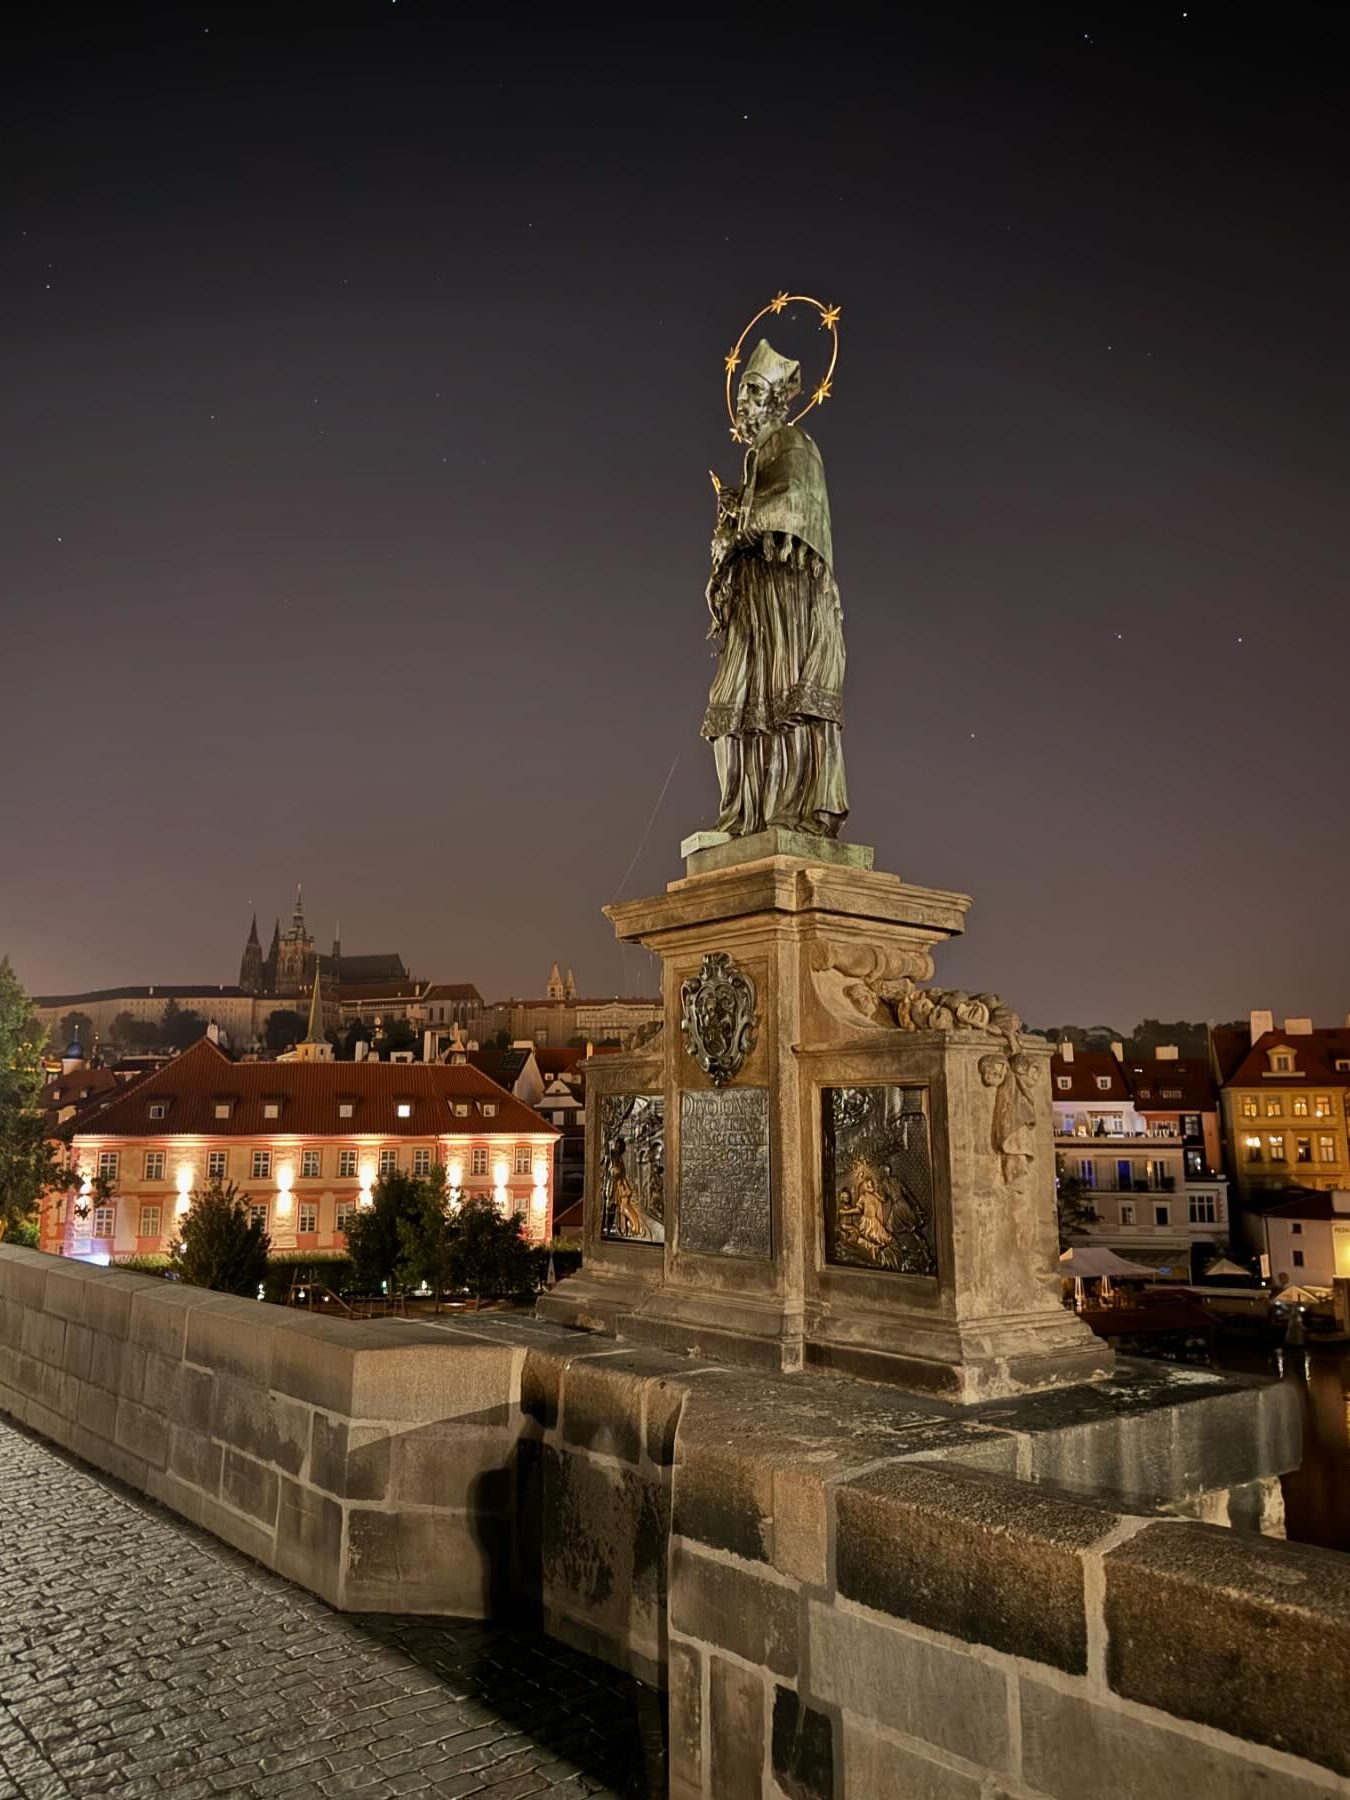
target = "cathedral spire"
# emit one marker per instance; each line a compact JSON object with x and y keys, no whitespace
{"x":315,"y":1035}
{"x":298,"y":917}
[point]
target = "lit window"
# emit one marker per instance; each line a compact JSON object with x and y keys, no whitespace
{"x":1127,"y":1212}
{"x":261,"y":1166}
{"x":1302,"y":1149}
{"x":1275,"y":1146}
{"x":257,"y":1212}
{"x":1064,"y":1082}
{"x":216,"y":1164}
{"x":1104,"y":1083}
{"x":1274,"y":1109}
{"x":311,"y":1165}
{"x":1249,"y":1106}
{"x":1343,"y":1064}
{"x":105,"y":1221}
{"x":405,"y":1109}
{"x":309,"y":1216}
{"x":346,"y":1165}
{"x":1300,"y":1106}
{"x":523,"y":1159}
{"x":1326,"y":1149}
{"x":1322,"y":1106}
{"x":150,"y":1218}
{"x":1253,"y":1149}
{"x":479,"y":1166}
{"x":1298,"y":1259}
{"x":107,"y":1164}
{"x":489,"y":1109}
{"x":388,"y":1161}
{"x":159,"y":1109}
{"x":421,"y":1162}
{"x":1171,"y":1093}
{"x":154,"y":1165}
{"x":271,"y":1109}
{"x":345,"y":1109}
{"x":461,"y":1109}
{"x":1281,"y":1061}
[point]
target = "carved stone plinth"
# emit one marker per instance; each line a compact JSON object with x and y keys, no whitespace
{"x":858,"y":1169}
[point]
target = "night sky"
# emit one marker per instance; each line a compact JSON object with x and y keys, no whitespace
{"x":362,"y":368}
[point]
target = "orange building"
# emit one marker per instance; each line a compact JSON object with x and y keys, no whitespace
{"x":304,"y":1141}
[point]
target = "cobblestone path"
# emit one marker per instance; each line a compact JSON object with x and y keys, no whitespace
{"x":140,"y":1656}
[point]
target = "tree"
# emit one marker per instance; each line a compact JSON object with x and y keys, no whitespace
{"x":181,"y":1026}
{"x":29,"y":1161}
{"x":284,"y":1030}
{"x":73,"y":1025}
{"x":375,"y":1243}
{"x":395,"y":1034}
{"x":488,"y":1256}
{"x":130,"y":1033}
{"x":426,"y":1236}
{"x":219,"y":1243}
{"x":1074,"y":1205}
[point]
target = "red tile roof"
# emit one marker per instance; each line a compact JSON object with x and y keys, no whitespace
{"x":1083,"y":1073}
{"x":1315,"y":1053}
{"x":454,"y":990}
{"x":1310,"y":1203}
{"x":309,"y":1093}
{"x":1178,"y":1084}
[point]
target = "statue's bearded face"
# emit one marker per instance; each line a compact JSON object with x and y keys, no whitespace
{"x":759,"y":407}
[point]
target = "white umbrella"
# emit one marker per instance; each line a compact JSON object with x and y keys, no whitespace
{"x":1300,"y":1296}
{"x":1090,"y":1262}
{"x":1224,"y":1267}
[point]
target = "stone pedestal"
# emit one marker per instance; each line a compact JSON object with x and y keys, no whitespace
{"x":858,"y":1171}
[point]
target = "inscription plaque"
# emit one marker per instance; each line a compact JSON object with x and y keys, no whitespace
{"x":724,"y":1172}
{"x":878,"y":1180}
{"x":632,"y":1168}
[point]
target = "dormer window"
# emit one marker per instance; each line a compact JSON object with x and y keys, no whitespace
{"x":271,"y":1109}
{"x":1282,"y":1061}
{"x":346,"y":1108}
{"x":1104,"y":1083}
{"x":159,"y":1109}
{"x":222,"y":1108}
{"x":1064,"y":1083}
{"x":404,"y":1109}
{"x":461,"y":1109}
{"x":1343,"y":1064}
{"x":489,"y":1109}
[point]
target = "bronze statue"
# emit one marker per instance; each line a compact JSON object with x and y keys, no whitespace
{"x":775,"y":710}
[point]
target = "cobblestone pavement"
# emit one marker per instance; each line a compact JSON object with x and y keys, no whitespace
{"x":140,"y":1656}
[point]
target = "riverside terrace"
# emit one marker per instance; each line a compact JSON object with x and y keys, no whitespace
{"x":844,"y":1591}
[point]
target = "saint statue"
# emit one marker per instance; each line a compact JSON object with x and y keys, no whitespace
{"x":775,"y":711}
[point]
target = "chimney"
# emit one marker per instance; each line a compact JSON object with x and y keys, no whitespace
{"x":1167,"y":1053}
{"x":1298,"y":1027}
{"x":1261,"y":1023}
{"x":360,"y":1050}
{"x":1118,"y":1051}
{"x":213,"y":1032}
{"x":1065,"y":1050}
{"x":429,"y":1046}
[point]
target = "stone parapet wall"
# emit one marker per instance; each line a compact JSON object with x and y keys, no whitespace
{"x":845,"y":1594}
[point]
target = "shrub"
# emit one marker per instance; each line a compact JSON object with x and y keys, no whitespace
{"x":487,"y":1254}
{"x":219,"y":1244}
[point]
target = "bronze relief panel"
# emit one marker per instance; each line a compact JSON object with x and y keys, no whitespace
{"x":877,"y":1179}
{"x":633,"y":1168}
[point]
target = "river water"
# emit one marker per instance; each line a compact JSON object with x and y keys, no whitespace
{"x":1316,"y":1495}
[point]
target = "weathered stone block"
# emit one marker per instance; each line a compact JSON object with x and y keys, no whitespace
{"x":96,"y":1414}
{"x":977,"y":1557}
{"x":103,"y":1453}
{"x":1072,"y":1747}
{"x":59,"y":1391}
{"x":422,"y":1562}
{"x":685,"y":1736}
{"x":351,"y":1461}
{"x":79,"y":1350}
{"x":23,"y":1277}
{"x":443,"y":1378}
{"x":274,"y":1428}
{"x":736,"y":1747}
{"x":1237,"y":1632}
{"x":158,"y":1321}
{"x":733,"y":1609}
{"x":144,"y":1433}
{"x":724,"y":1499}
{"x":540,"y":1387}
{"x":309,"y":1540}
{"x":44,"y":1337}
{"x":116,"y":1365}
{"x":252,"y":1538}
{"x":195,"y":1459}
{"x":231,"y":1337}
{"x":315,"y":1364}
{"x":603,"y":1399}
{"x":602,"y":1544}
{"x":462,"y":1467}
{"x":801,"y":1748}
{"x":909,"y":1684}
{"x":250,"y":1487}
{"x":881,"y":1769}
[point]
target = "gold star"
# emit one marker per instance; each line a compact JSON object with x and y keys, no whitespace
{"x":778,"y":302}
{"x":829,"y":316}
{"x":730,"y":360}
{"x":822,"y":393}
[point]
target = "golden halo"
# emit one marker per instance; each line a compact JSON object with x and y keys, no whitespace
{"x":829,"y":321}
